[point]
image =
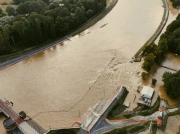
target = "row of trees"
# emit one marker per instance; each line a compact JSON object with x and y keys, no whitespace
{"x":35,"y":22}
{"x":169,"y":41}
{"x":172,"y":36}
{"x":154,"y":54}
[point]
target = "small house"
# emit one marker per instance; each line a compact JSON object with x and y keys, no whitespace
{"x":147,"y":92}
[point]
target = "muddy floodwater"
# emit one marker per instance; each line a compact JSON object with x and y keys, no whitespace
{"x":171,"y":61}
{"x":57,"y":86}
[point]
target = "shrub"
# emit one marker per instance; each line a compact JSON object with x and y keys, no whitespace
{"x":148,"y":62}
{"x":154,"y":81}
{"x":4,"y":3}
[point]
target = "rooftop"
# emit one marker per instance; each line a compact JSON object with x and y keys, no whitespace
{"x":147,"y":91}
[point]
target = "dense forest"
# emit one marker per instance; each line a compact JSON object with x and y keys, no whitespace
{"x":175,"y":3}
{"x":172,"y":36}
{"x":36,"y":21}
{"x":169,"y":42}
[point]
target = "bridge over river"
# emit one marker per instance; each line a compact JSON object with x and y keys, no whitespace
{"x":21,"y":124}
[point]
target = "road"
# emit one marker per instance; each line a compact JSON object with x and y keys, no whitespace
{"x":31,"y":53}
{"x":138,"y":55}
{"x":103,"y":125}
{"x":26,"y":129}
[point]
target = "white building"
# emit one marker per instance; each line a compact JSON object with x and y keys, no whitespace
{"x":147,"y":92}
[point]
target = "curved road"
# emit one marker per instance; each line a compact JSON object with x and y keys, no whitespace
{"x":138,"y":55}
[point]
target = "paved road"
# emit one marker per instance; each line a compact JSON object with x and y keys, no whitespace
{"x":31,"y":53}
{"x":10,"y":113}
{"x":157,"y":32}
{"x":26,"y":129}
{"x":107,"y":126}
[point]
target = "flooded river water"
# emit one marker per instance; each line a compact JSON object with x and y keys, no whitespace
{"x":58,"y":85}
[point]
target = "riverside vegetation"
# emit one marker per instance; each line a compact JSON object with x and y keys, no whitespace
{"x":35,"y":21}
{"x":169,"y":42}
{"x":175,"y":3}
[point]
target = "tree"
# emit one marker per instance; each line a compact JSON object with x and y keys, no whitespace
{"x":178,"y":49}
{"x":175,"y":24}
{"x":172,"y":84}
{"x":10,"y":10}
{"x":53,"y":5}
{"x":35,"y":23}
{"x":59,"y":25}
{"x":31,"y":6}
{"x":154,"y":81}
{"x":172,"y":44}
{"x":6,"y":19}
{"x":176,"y":33}
{"x":6,"y":35}
{"x":148,"y":62}
{"x":152,"y":48}
{"x":162,"y":50}
{"x":1,"y":13}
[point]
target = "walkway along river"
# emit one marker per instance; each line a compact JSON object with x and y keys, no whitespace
{"x":56,"y":86}
{"x":157,"y":32}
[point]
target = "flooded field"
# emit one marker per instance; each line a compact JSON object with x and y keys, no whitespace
{"x":58,"y":85}
{"x":171,"y":61}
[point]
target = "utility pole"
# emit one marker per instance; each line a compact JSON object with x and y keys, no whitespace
{"x":150,"y":127}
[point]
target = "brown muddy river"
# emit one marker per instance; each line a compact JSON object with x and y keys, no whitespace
{"x":61,"y":83}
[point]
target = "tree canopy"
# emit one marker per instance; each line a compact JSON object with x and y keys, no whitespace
{"x":171,"y":37}
{"x":148,"y":62}
{"x":172,"y":84}
{"x":175,"y":3}
{"x":35,"y":21}
{"x":10,"y":10}
{"x":31,"y":6}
